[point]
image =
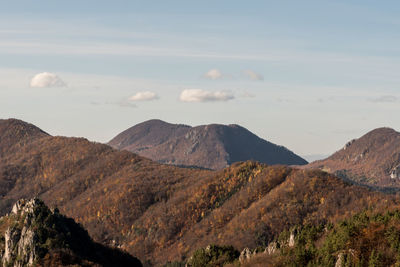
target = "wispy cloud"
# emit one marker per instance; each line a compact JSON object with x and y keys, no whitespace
{"x":252,"y":75}
{"x":144,"y":96}
{"x":126,"y":104}
{"x":46,"y":79}
{"x":199,"y":95}
{"x":385,"y":99}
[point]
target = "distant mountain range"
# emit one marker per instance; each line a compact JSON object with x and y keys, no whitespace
{"x":161,"y":213}
{"x":373,"y":159}
{"x":211,"y":146}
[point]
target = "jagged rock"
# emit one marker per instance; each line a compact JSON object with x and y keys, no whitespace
{"x":395,"y":173}
{"x":37,"y":235}
{"x":11,"y":240}
{"x":340,"y":260}
{"x":291,"y":241}
{"x":21,"y":244}
{"x":245,"y":255}
{"x":271,"y":248}
{"x":350,"y":254}
{"x":348,"y":144}
{"x":23,"y":206}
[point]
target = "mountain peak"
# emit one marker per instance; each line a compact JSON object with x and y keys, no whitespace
{"x":382,"y":130}
{"x":13,"y":131}
{"x":380,"y":134}
{"x":371,"y":159}
{"x":19,"y":124}
{"x":212,"y":146}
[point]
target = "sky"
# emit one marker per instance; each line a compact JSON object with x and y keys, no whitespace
{"x":308,"y":75}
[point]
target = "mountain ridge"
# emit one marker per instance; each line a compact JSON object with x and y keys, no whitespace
{"x":212,"y":146}
{"x":372,"y":159}
{"x":163,"y":213}
{"x":17,"y":132}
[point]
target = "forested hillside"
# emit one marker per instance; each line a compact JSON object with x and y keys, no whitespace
{"x":163,"y":213}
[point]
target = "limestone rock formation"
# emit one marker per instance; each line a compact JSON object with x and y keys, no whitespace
{"x":21,"y":244}
{"x":38,"y":236}
{"x":245,"y":255}
{"x":271,"y":248}
{"x":395,"y":173}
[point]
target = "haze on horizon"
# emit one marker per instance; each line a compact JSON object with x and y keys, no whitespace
{"x":308,"y":75}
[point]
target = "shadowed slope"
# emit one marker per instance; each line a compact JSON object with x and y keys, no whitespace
{"x":211,"y":146}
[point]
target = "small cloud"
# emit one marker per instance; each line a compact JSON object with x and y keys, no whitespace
{"x":144,"y":96}
{"x":213,"y":74}
{"x":45,"y":80}
{"x":199,"y":95}
{"x":253,"y":75}
{"x":385,"y":99}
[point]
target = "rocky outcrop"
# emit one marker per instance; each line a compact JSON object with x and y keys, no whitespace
{"x":340,"y":260}
{"x":246,"y":254}
{"x":20,"y":245}
{"x":395,"y":173}
{"x":272,"y":247}
{"x":36,"y":235}
{"x":346,"y":257}
{"x":291,"y":241}
{"x":348,"y":144}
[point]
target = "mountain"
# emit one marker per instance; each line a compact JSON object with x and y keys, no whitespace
{"x":373,"y":159}
{"x":17,"y":132}
{"x":211,"y":146}
{"x":34,"y":235}
{"x":161,"y":213}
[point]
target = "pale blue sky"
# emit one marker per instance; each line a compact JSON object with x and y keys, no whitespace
{"x":330,"y":69}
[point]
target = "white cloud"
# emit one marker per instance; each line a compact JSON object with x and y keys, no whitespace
{"x":253,"y":75}
{"x":199,"y":95}
{"x":46,"y":79}
{"x":144,"y":96}
{"x":213,"y":74}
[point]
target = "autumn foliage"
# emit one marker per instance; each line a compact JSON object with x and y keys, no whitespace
{"x":163,"y":213}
